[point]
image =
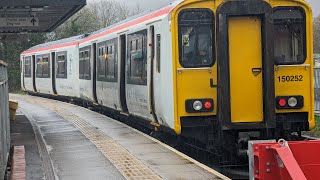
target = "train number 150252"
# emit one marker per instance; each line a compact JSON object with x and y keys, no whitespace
{"x":290,"y":78}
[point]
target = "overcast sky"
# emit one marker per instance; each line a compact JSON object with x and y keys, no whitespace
{"x":152,"y":4}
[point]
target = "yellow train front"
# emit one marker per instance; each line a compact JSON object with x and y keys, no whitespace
{"x":243,"y":70}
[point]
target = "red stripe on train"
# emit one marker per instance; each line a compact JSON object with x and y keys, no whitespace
{"x":109,"y":31}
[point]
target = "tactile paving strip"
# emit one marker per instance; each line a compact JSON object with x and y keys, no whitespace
{"x":128,"y":165}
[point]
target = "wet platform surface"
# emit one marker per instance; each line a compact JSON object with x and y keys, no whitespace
{"x":82,"y":144}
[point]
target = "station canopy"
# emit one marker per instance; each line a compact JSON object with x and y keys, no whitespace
{"x":18,"y":16}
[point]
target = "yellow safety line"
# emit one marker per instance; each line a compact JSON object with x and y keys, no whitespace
{"x":127,"y":164}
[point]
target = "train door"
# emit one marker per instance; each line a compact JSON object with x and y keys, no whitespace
{"x":53,"y":64}
{"x":34,"y":73}
{"x":94,"y":71}
{"x":123,"y":51}
{"x":22,"y":64}
{"x":246,"y":62}
{"x":152,"y":67}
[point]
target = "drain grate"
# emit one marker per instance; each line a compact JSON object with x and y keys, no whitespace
{"x":127,"y":164}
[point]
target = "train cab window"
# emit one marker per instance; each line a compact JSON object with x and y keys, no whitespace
{"x":84,"y":63}
{"x":27,"y":66}
{"x":61,"y":65}
{"x":137,"y":58}
{"x":196,"y":38}
{"x":289,"y":35}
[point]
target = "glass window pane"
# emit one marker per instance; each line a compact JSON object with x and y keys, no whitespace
{"x":158,"y":52}
{"x":196,"y":38}
{"x":45,"y":67}
{"x":39,"y":67}
{"x":289,"y":33}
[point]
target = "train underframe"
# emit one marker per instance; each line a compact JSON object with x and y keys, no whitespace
{"x":230,"y":145}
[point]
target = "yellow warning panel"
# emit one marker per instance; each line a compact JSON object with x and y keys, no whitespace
{"x":245,"y":55}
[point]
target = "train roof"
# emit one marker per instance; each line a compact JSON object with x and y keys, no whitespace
{"x":144,"y":16}
{"x":57,"y":42}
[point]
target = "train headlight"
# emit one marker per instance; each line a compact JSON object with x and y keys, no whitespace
{"x":289,"y":102}
{"x":292,"y":102}
{"x":197,"y":105}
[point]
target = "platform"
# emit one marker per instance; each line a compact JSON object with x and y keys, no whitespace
{"x":76,"y":143}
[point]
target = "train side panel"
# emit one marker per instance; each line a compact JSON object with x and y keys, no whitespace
{"x":67,"y":76}
{"x":43,"y":72}
{"x":86,"y":71}
{"x":108,"y":70}
{"x":26,"y":73}
{"x":163,"y":75}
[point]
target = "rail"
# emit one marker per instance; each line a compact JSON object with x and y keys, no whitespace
{"x":4,"y":119}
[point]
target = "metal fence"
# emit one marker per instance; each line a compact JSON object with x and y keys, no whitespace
{"x":4,"y":119}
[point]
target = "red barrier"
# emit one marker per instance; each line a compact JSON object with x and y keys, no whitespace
{"x":298,"y":160}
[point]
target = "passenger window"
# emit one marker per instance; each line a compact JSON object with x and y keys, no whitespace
{"x":196,"y":38}
{"x":86,"y":72}
{"x":133,"y":45}
{"x":107,"y":66}
{"x":81,"y":62}
{"x":84,"y":63}
{"x":62,"y":65}
{"x":289,"y":35}
{"x":27,"y":66}
{"x":45,"y":67}
{"x":39,"y":67}
{"x":158,"y":52}
{"x":101,"y":64}
{"x":137,"y":58}
{"x":110,"y":63}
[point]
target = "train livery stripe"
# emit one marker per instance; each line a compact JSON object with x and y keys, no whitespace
{"x":108,"y":31}
{"x":51,"y":47}
{"x":131,"y":23}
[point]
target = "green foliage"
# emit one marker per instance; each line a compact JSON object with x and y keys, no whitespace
{"x":11,"y":47}
{"x":316,"y":131}
{"x":83,"y":22}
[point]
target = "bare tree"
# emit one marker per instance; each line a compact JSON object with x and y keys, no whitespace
{"x":105,"y":11}
{"x":85,"y":21}
{"x":138,"y":9}
{"x":112,"y":11}
{"x":95,"y":16}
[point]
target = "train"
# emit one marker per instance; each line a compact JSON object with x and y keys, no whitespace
{"x":216,"y":73}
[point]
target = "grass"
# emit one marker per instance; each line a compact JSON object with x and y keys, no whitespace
{"x":316,"y":131}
